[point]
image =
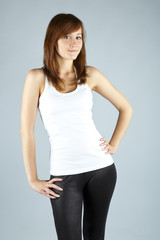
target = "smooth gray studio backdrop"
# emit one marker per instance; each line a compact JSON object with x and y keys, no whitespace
{"x":123,"y":43}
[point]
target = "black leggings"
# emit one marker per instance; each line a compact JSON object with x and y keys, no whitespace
{"x":94,"y":189}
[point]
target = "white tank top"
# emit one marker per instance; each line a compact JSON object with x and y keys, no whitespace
{"x":73,"y":137}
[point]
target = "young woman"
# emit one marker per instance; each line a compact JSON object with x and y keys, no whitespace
{"x":82,"y":170}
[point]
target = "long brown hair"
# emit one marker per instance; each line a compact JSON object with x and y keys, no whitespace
{"x":60,"y":25}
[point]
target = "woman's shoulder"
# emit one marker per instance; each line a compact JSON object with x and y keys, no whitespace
{"x":36,"y":73}
{"x":91,"y":71}
{"x":38,"y":77}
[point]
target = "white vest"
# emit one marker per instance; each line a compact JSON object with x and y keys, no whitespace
{"x":74,"y":139}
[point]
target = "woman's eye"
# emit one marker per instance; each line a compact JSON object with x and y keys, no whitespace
{"x":68,"y":36}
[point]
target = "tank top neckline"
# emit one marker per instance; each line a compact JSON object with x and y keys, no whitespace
{"x":67,"y":93}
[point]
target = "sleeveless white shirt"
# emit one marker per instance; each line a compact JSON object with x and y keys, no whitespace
{"x":73,"y":137}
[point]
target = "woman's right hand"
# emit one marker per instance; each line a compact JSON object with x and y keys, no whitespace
{"x":43,"y":187}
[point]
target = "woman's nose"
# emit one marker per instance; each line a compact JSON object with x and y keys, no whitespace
{"x":73,"y":41}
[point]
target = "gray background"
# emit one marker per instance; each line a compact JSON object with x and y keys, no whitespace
{"x":123,"y":43}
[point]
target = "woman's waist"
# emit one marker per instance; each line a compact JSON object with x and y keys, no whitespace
{"x":75,"y":141}
{"x":73,"y":134}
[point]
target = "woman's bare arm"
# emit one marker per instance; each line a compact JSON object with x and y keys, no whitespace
{"x":34,"y":79}
{"x":103,"y":86}
{"x":28,"y":117}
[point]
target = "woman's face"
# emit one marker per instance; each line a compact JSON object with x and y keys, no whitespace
{"x":69,"y":46}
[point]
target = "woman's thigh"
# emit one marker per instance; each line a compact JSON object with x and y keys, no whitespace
{"x":67,"y":209}
{"x":94,"y":189}
{"x":97,"y":196}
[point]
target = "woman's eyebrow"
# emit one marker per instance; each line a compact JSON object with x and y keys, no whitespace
{"x":77,"y":33}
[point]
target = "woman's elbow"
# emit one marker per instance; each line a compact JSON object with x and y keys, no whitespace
{"x":127,"y":108}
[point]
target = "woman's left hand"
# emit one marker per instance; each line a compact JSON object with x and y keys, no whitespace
{"x":110,"y":149}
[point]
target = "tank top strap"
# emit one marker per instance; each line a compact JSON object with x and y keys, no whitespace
{"x":46,"y":81}
{"x":45,"y":88}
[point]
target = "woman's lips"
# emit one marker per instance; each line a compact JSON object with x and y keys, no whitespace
{"x":72,"y":50}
